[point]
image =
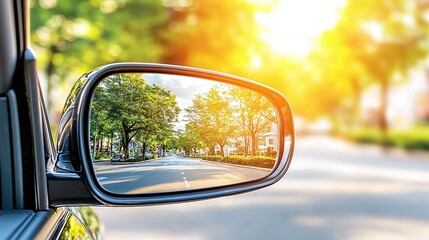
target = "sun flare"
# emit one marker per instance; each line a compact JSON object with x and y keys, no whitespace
{"x":292,"y":25}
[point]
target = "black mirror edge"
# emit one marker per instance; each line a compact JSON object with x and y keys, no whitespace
{"x":74,"y":131}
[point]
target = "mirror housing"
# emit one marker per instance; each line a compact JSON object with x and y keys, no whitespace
{"x":74,"y":152}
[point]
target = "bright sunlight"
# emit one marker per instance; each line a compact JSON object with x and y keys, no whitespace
{"x":292,"y":26}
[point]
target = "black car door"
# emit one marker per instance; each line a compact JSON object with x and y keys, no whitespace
{"x":25,"y":141}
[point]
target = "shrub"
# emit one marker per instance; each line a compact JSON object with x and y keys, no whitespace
{"x":102,"y":156}
{"x":255,"y":161}
{"x":416,"y":138}
{"x":217,"y":158}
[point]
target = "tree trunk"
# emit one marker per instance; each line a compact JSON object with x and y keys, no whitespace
{"x":95,"y":142}
{"x":121,"y":144}
{"x":221,"y":150}
{"x":382,"y":118}
{"x":126,"y":142}
{"x":163,"y":150}
{"x":254,"y":143}
{"x":111,"y":145}
{"x":246,"y":145}
{"x":212,"y":151}
{"x":100,"y":144}
{"x":357,"y":98}
{"x":144,"y":149}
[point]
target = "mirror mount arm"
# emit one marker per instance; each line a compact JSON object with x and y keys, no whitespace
{"x":68,"y":189}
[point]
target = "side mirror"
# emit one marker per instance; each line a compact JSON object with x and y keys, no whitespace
{"x":151,"y":133}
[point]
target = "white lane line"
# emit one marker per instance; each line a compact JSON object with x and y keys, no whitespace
{"x":186,"y":182}
{"x":101,"y":178}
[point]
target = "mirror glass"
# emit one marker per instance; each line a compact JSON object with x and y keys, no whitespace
{"x":153,"y":133}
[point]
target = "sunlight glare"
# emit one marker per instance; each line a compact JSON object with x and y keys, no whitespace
{"x":291,"y":27}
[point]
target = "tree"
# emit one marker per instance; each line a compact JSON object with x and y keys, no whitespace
{"x":135,"y":108}
{"x":211,"y":118}
{"x":73,"y":36}
{"x":386,"y":38}
{"x":101,"y":126}
{"x":188,"y":141}
{"x":164,"y":137}
{"x":254,"y":113}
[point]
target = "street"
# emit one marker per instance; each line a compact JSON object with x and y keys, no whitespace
{"x":333,"y":190}
{"x":172,"y":173}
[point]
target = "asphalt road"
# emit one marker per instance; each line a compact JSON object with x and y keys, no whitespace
{"x":172,"y":173}
{"x":333,"y":190}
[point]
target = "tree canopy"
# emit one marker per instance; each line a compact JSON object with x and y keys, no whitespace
{"x":226,"y":113}
{"x":372,"y":43}
{"x":133,"y":109}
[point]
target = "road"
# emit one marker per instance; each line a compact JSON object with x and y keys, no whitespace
{"x":333,"y":190}
{"x":172,"y":173}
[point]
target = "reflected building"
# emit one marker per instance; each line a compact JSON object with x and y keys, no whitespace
{"x":270,"y":143}
{"x":267,"y":144}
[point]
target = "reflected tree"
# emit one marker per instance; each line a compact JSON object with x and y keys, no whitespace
{"x":225,"y":113}
{"x":254,"y":113}
{"x":211,"y":118}
{"x":133,"y":108}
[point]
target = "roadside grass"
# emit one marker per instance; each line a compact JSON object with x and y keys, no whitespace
{"x":416,"y":138}
{"x":254,"y":161}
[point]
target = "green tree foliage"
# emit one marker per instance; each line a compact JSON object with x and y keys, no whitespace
{"x":218,"y":35}
{"x":225,"y":113}
{"x":74,"y":36}
{"x":89,"y":218}
{"x":254,"y":114}
{"x":188,"y":141}
{"x":211,"y":118}
{"x":373,"y":42}
{"x":74,"y":229}
{"x":133,"y":108}
{"x":343,"y":80}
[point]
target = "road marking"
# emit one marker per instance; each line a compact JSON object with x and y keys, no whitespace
{"x":183,"y":173}
{"x":101,"y":178}
{"x":186,"y":182}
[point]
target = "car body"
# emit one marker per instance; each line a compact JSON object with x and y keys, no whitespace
{"x":117,"y":158}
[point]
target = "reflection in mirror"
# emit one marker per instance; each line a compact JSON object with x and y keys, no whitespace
{"x":154,"y":133}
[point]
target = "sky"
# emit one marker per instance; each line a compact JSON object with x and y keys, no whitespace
{"x":185,"y":89}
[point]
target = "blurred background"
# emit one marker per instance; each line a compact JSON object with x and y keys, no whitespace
{"x":356,"y":73}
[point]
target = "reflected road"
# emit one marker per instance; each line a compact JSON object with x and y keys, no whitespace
{"x":172,"y":173}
